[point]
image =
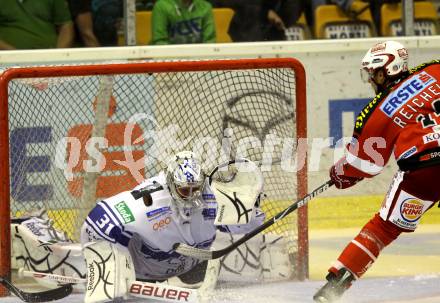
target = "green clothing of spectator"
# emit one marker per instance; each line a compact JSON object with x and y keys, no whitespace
{"x":183,"y":21}
{"x":29,"y":24}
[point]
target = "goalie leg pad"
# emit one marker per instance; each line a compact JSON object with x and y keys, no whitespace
{"x":203,"y":276}
{"x":110,"y":271}
{"x":210,"y":280}
{"x":195,"y":275}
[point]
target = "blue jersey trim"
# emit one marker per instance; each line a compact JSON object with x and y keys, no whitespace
{"x":91,"y":224}
{"x":117,"y":234}
{"x":110,"y":211}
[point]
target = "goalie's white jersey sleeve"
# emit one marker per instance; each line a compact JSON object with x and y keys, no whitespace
{"x":150,"y":231}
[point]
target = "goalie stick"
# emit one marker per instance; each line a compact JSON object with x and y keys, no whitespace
{"x":203,"y":254}
{"x":42,"y":296}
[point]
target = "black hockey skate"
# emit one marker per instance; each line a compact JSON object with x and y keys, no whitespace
{"x":335,"y":287}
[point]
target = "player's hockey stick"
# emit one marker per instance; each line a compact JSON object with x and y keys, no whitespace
{"x":204,"y":254}
{"x":42,"y":296}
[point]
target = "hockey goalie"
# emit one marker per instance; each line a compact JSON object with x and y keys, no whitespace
{"x":127,"y":240}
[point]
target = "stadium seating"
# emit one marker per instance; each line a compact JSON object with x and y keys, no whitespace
{"x":143,"y":27}
{"x":298,"y":31}
{"x":331,"y":22}
{"x":222,"y":18}
{"x":425,"y":19}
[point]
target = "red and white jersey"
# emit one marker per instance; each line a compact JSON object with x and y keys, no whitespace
{"x":404,"y":120}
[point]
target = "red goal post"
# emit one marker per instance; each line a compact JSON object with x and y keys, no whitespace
{"x":41,"y":89}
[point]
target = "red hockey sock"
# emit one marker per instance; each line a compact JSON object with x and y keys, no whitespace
{"x":363,"y":250}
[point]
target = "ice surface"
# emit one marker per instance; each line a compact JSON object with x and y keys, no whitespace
{"x":395,"y":278}
{"x":414,"y":289}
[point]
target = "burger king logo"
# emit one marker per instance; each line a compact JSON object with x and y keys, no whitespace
{"x":411,"y":209}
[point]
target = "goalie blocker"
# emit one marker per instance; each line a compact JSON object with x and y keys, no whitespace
{"x":37,"y":245}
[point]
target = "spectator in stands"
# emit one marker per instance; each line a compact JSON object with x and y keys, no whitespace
{"x":313,"y":4}
{"x":279,"y":15}
{"x":246,"y":23}
{"x":82,"y":18}
{"x":107,"y":17}
{"x":182,"y":21}
{"x":38,"y":24}
{"x":346,"y":6}
{"x":260,"y":20}
{"x":375,"y":6}
{"x":144,"y":5}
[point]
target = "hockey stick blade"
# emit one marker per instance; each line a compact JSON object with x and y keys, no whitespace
{"x":42,"y":296}
{"x":203,"y":254}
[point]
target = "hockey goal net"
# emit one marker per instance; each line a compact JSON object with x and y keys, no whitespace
{"x":72,"y":135}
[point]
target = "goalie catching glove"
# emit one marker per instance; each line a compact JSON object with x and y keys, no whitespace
{"x":238,"y":188}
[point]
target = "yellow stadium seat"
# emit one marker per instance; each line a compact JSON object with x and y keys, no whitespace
{"x":298,"y":31}
{"x":425,"y":19}
{"x":331,"y":22}
{"x":222,"y":19}
{"x":143,"y":27}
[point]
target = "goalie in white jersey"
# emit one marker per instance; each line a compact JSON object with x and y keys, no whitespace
{"x":176,"y":206}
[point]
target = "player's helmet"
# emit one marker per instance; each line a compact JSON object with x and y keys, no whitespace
{"x":185,"y":179}
{"x":391,"y":56}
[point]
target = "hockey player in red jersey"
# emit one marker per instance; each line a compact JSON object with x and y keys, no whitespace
{"x":403,"y":119}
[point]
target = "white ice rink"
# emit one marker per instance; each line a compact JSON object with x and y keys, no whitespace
{"x":407,"y":271}
{"x":418,"y":289}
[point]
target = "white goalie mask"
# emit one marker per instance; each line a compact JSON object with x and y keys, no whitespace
{"x":185,"y":179}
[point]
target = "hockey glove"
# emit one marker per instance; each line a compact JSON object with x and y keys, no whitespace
{"x":338,"y":178}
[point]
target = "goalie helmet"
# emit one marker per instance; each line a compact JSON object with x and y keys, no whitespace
{"x":185,"y":179}
{"x":391,"y":56}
